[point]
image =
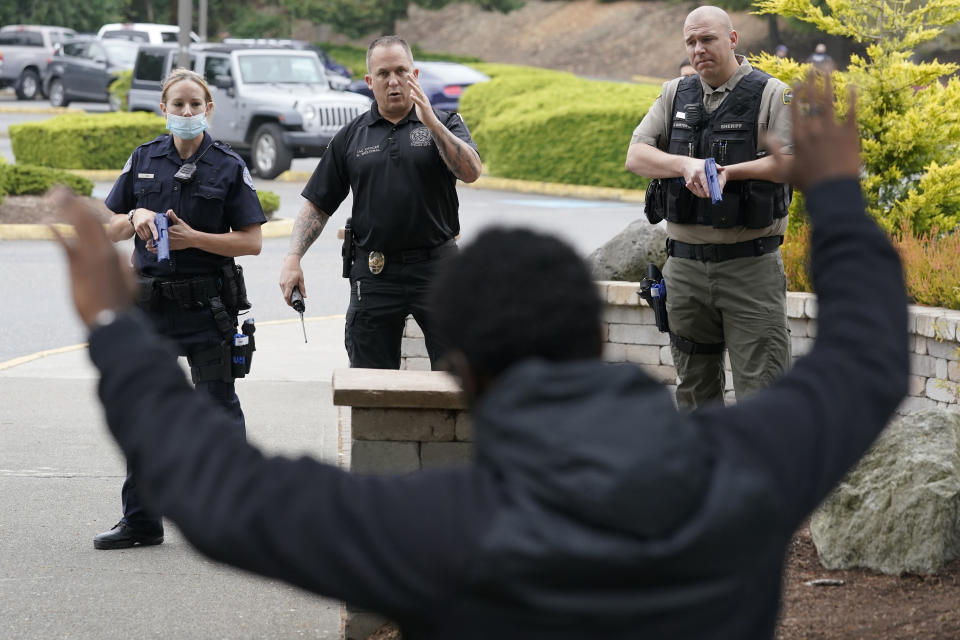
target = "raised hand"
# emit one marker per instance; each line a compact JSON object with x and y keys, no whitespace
{"x":98,"y":277}
{"x":823,"y":148}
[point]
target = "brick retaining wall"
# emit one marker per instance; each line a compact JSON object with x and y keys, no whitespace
{"x":630,"y":335}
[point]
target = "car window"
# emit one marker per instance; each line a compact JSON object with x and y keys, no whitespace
{"x":56,"y":37}
{"x":120,"y":52}
{"x":150,"y":65}
{"x":215,"y":66}
{"x":125,"y":34}
{"x":263,"y":69}
{"x":22,"y":38}
{"x":74,"y":49}
{"x":168,"y":36}
{"x":96,"y":51}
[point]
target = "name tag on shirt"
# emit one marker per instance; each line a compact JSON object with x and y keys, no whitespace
{"x":145,"y":175}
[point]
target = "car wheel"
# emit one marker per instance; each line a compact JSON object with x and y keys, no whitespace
{"x":270,"y":155}
{"x":29,"y":85}
{"x":58,"y":97}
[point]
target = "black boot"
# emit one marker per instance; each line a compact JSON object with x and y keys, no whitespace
{"x":123,"y":536}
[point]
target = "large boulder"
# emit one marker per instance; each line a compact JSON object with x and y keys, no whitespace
{"x":898,"y":510}
{"x":625,"y":257}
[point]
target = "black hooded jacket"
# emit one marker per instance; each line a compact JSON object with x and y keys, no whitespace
{"x":592,"y":509}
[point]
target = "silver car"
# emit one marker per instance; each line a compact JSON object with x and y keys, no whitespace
{"x":273,"y":104}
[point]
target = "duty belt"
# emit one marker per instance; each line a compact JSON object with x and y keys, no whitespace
{"x":721,"y":252}
{"x":377,"y":260}
{"x":189,"y":293}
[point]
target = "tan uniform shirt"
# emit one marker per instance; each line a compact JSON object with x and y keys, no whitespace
{"x":774,"y":117}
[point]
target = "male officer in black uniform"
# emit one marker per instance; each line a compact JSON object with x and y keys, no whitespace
{"x":402,"y":160}
{"x":726,"y":287}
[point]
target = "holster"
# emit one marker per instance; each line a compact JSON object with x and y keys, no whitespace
{"x":224,"y":361}
{"x":233,"y":288}
{"x":348,"y":251}
{"x":653,"y":289}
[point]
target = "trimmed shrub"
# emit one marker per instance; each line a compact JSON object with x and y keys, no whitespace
{"x":82,"y":141}
{"x":269,"y":201}
{"x":120,"y":87}
{"x":25,"y":179}
{"x":535,"y":124}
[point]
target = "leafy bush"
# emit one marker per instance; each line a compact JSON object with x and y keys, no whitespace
{"x":909,"y":122}
{"x":25,"y":179}
{"x":796,"y":258}
{"x":931,"y":264}
{"x":82,"y":141}
{"x":536,"y":124}
{"x":269,"y":201}
{"x":120,"y":87}
{"x":932,"y":267}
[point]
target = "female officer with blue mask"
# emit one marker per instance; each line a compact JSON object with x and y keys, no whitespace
{"x":213,"y":215}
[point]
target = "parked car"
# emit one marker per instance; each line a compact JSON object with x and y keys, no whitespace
{"x":271,"y":104}
{"x":84,"y":68}
{"x":146,"y":32}
{"x":337,"y":74}
{"x":24,"y":51}
{"x":443,"y":82}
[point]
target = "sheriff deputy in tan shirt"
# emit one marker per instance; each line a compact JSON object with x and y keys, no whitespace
{"x":726,"y":288}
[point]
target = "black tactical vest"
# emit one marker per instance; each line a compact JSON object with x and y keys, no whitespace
{"x":729,"y":135}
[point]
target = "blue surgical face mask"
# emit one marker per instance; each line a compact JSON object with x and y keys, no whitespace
{"x":185,"y":127}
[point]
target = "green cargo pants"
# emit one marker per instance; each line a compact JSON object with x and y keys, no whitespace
{"x":741,"y":302}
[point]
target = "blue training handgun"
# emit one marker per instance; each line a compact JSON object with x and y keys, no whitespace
{"x":163,"y":239}
{"x":710,"y":166}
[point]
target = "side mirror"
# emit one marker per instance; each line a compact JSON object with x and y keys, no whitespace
{"x":223,"y":82}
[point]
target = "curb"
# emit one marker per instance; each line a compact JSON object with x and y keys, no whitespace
{"x":277,"y":228}
{"x":558,"y":189}
{"x":26,"y":109}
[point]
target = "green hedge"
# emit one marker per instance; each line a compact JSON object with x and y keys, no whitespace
{"x":269,"y":201}
{"x":536,"y":124}
{"x":84,"y":141}
{"x":25,"y":179}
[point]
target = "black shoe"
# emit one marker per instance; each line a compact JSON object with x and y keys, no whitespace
{"x":123,"y":536}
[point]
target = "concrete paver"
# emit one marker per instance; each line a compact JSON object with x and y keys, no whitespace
{"x":60,"y":477}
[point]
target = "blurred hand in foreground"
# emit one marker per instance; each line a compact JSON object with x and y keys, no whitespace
{"x":98,"y":277}
{"x":823,"y":148}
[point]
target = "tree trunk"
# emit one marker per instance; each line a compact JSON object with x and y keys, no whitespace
{"x":774,"y":31}
{"x":148,"y":5}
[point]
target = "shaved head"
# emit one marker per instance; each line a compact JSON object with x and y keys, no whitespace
{"x":710,"y":40}
{"x":713,"y":15}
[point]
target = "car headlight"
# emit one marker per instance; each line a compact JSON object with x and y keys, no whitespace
{"x":311,"y":119}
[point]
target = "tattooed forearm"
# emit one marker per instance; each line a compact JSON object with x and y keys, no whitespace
{"x":306,"y":229}
{"x":459,"y":157}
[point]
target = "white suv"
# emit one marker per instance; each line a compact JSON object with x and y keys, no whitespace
{"x":143,"y":32}
{"x":273,"y":104}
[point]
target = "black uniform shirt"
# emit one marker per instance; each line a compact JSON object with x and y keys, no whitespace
{"x":220,"y":197}
{"x":404,"y":196}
